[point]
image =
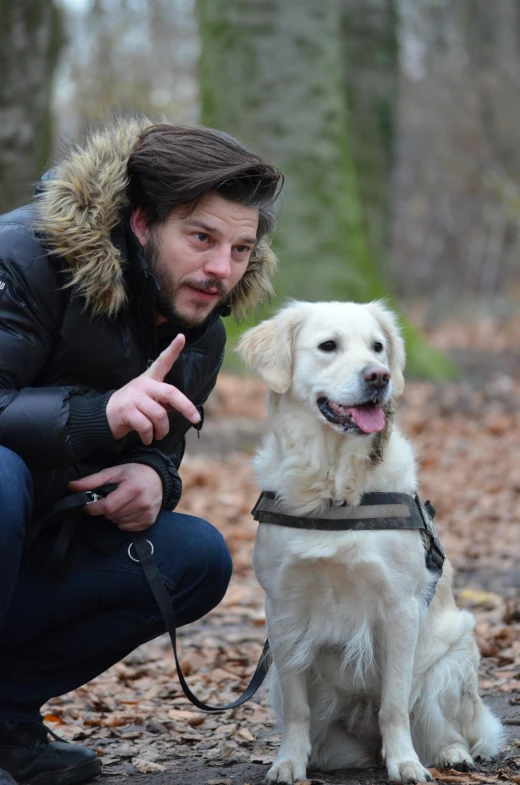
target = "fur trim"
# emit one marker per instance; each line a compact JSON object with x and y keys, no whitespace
{"x":78,"y":209}
{"x":82,"y":204}
{"x":255,"y":287}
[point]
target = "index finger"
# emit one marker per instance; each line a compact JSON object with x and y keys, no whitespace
{"x":166,"y":359}
{"x":95,"y":480}
{"x":175,"y":400}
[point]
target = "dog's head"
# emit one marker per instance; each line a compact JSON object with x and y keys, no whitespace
{"x":343,"y":360}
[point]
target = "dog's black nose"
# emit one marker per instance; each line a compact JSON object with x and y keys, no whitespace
{"x":376,"y":376}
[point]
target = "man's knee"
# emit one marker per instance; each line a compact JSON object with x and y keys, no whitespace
{"x":215,"y":562}
{"x":196,"y":560}
{"x":16,"y":487}
{"x":10,"y":462}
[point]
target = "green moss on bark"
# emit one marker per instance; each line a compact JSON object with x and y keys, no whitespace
{"x":272,"y":74}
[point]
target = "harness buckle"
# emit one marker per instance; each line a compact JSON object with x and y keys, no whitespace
{"x":435,"y":555}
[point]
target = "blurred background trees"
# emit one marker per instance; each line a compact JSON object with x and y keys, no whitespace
{"x":310,"y":88}
{"x":30,"y":42}
{"x":273,"y":75}
{"x":395,"y":122}
{"x":456,"y":194}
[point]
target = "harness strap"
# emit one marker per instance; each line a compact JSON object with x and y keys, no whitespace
{"x":376,"y":512}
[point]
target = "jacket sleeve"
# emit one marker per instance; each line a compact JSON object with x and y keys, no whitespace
{"x":209,"y":386}
{"x":201,"y":398}
{"x":35,"y":421}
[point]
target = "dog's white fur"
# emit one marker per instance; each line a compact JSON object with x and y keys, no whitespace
{"x":362,"y":666}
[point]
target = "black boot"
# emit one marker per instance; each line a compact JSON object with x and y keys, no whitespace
{"x":25,"y":752}
{"x":5,"y":778}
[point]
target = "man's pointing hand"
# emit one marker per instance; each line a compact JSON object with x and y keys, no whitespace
{"x":143,"y":404}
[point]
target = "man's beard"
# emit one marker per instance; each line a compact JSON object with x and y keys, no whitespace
{"x":165,"y":301}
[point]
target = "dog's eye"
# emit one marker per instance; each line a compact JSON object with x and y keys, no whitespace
{"x":328,"y":346}
{"x":377,"y":346}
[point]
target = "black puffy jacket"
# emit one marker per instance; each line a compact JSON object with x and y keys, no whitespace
{"x":77,"y":319}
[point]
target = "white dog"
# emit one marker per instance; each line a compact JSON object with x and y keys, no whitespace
{"x":363,"y":666}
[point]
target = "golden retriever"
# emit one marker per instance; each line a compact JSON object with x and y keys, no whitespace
{"x":364,"y":665}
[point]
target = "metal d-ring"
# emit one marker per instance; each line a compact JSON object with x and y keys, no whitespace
{"x":133,"y":557}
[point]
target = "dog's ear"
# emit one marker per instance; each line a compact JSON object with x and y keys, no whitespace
{"x":268,"y":348}
{"x":395,"y":343}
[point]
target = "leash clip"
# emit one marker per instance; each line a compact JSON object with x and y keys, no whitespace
{"x":93,"y":497}
{"x":152,"y":549}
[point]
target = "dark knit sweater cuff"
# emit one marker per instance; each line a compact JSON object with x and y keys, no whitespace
{"x":88,"y":425}
{"x":165,"y":468}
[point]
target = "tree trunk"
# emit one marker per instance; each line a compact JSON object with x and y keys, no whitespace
{"x":458,"y":172}
{"x":371,"y":78}
{"x":272,"y":74}
{"x":30,"y":39}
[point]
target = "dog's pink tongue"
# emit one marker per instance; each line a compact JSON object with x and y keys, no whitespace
{"x":369,"y":419}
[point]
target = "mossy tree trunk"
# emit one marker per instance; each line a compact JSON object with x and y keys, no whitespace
{"x":30,"y":39}
{"x":371,"y":79}
{"x":272,"y":74}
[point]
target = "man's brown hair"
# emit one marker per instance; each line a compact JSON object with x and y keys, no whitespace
{"x":174,"y":165}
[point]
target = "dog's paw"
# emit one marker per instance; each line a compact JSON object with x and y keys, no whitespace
{"x":455,"y":756}
{"x":287,"y":771}
{"x":407,"y":771}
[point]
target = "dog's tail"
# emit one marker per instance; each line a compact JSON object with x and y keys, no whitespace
{"x":485,"y":733}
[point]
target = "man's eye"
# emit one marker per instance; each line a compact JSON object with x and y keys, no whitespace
{"x":202,"y":237}
{"x":328,"y":346}
{"x":242,"y":249}
{"x":377,"y":346}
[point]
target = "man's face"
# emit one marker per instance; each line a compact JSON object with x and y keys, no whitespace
{"x":198,"y":258}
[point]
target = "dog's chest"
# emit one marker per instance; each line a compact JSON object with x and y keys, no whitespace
{"x":328,"y":585}
{"x":328,"y":614}
{"x":344,"y":597}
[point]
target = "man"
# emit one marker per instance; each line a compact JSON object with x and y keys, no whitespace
{"x":112,"y":288}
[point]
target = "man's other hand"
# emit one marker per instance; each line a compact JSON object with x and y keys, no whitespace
{"x":136,"y":502}
{"x":143,"y":404}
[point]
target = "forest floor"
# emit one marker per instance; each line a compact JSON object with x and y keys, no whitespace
{"x":467,"y":438}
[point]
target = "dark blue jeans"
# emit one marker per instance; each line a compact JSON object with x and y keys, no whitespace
{"x":58,"y":633}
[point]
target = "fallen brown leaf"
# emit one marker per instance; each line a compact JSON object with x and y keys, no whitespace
{"x":147,"y":766}
{"x":219,"y":782}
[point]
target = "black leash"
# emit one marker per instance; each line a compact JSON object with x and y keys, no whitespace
{"x":68,"y":512}
{"x":162,"y":597}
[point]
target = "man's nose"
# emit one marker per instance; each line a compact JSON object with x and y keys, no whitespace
{"x":376,"y":376}
{"x":219,"y":263}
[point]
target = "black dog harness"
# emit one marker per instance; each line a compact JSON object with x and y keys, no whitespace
{"x":376,"y":511}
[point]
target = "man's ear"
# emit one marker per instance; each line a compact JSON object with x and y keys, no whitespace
{"x":139,"y":225}
{"x":395,"y":344}
{"x":268,"y":348}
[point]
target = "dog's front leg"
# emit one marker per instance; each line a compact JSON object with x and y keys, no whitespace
{"x":401,"y":633}
{"x":291,"y":762}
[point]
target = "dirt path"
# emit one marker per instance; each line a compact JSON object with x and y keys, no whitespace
{"x":232,"y":772}
{"x":222,"y":772}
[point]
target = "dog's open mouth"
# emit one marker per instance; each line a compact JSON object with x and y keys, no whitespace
{"x":364,"y":418}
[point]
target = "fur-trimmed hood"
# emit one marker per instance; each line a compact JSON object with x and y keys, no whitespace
{"x":79,"y":207}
